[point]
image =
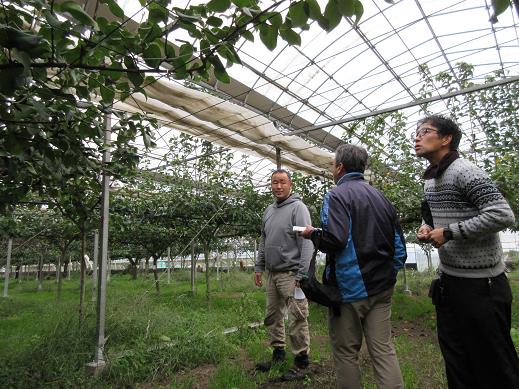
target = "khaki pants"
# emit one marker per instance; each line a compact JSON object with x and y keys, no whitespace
{"x":370,"y":317}
{"x":280,"y":297}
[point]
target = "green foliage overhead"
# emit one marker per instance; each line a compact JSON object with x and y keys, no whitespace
{"x":62,"y":67}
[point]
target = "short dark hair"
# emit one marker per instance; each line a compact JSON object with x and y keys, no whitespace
{"x":353,"y":158}
{"x":281,"y":171}
{"x":445,"y":126}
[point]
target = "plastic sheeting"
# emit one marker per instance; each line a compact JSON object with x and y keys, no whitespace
{"x":228,"y":124}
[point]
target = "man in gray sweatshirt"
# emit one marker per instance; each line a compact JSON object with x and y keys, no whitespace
{"x":286,"y":255}
{"x":472,"y":297}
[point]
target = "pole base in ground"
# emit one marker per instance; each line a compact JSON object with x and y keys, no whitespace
{"x":95,"y":368}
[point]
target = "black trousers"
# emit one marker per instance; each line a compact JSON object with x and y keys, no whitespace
{"x":474,"y":320}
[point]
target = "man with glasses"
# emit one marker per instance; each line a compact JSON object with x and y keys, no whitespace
{"x":472,"y":296}
{"x":286,"y":256}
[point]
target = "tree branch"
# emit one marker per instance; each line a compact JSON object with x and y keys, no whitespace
{"x":63,"y":65}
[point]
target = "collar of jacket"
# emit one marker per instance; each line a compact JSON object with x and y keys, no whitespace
{"x":435,"y":171}
{"x":350,"y":176}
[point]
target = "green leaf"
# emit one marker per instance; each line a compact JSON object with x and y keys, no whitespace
{"x":51,"y":19}
{"x":332,"y":15}
{"x":269,"y":36}
{"x":75,"y":10}
{"x":290,"y":36}
{"x":219,"y":69}
{"x":214,"y":21}
{"x":114,"y":8}
{"x":228,"y":52}
{"x":218,"y":5}
{"x":149,"y":32}
{"x":11,"y":79}
{"x":274,"y":18}
{"x":313,"y":9}
{"x":157,"y":13}
{"x":346,"y":7}
{"x":136,"y":78}
{"x":152,"y":55}
{"x":244,"y":3}
{"x":23,"y":58}
{"x":13,"y":38}
{"x":186,"y":52}
{"x":248,"y":35}
{"x":107,"y":94}
{"x":113,"y":75}
{"x":297,"y":14}
{"x":359,"y":11}
{"x":499,"y":7}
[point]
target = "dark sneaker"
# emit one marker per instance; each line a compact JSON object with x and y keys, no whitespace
{"x":278,"y":356}
{"x":294,"y":374}
{"x":263,"y":366}
{"x":301,"y":361}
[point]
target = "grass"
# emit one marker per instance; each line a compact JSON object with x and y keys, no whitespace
{"x":175,"y":339}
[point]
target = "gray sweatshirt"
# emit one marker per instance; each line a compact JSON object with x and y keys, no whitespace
{"x":281,"y":249}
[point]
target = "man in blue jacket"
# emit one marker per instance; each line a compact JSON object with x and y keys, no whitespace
{"x":364,"y":248}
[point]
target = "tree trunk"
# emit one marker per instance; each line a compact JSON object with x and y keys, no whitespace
{"x":206,"y":259}
{"x":40,"y":273}
{"x":61,"y":259}
{"x":82,"y":275}
{"x":66,"y":268}
{"x":7,"y":267}
{"x":155,"y":274}
{"x":146,"y":267}
{"x":17,"y":273}
{"x":133,"y":268}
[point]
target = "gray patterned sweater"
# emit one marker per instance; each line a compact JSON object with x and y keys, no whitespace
{"x":465,"y":199}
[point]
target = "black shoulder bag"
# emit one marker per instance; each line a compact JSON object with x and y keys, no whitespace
{"x":327,"y":295}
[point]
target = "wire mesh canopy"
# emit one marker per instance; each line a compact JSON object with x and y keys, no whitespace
{"x":360,"y":70}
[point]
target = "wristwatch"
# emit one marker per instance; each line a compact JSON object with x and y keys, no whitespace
{"x":447,"y":234}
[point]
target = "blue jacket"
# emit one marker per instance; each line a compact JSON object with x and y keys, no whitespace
{"x":362,"y":239}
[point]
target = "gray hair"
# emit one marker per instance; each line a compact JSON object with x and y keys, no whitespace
{"x":353,"y":158}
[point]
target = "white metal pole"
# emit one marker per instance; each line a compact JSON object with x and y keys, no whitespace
{"x":99,"y":357}
{"x":193,"y":267}
{"x":108,"y":268}
{"x":169,"y":265}
{"x":8,"y":267}
{"x":217,"y":266}
{"x":95,"y":269}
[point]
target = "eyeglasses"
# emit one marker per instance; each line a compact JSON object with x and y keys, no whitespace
{"x":424,"y":131}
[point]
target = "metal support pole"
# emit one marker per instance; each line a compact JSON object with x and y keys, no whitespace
{"x":255,"y":251}
{"x":108,"y":268}
{"x":169,"y":265}
{"x":278,"y":158}
{"x":406,"y":286}
{"x":95,"y":269}
{"x":99,"y":357}
{"x":193,"y":289}
{"x":217,"y":266}
{"x":8,"y":266}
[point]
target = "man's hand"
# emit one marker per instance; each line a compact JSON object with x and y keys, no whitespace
{"x":257,"y":278}
{"x":307,"y":233}
{"x":423,"y":233}
{"x":436,"y":237}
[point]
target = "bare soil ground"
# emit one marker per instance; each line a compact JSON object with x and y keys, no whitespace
{"x":418,"y":339}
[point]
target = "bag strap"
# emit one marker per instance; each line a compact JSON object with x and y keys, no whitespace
{"x":311,"y":268}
